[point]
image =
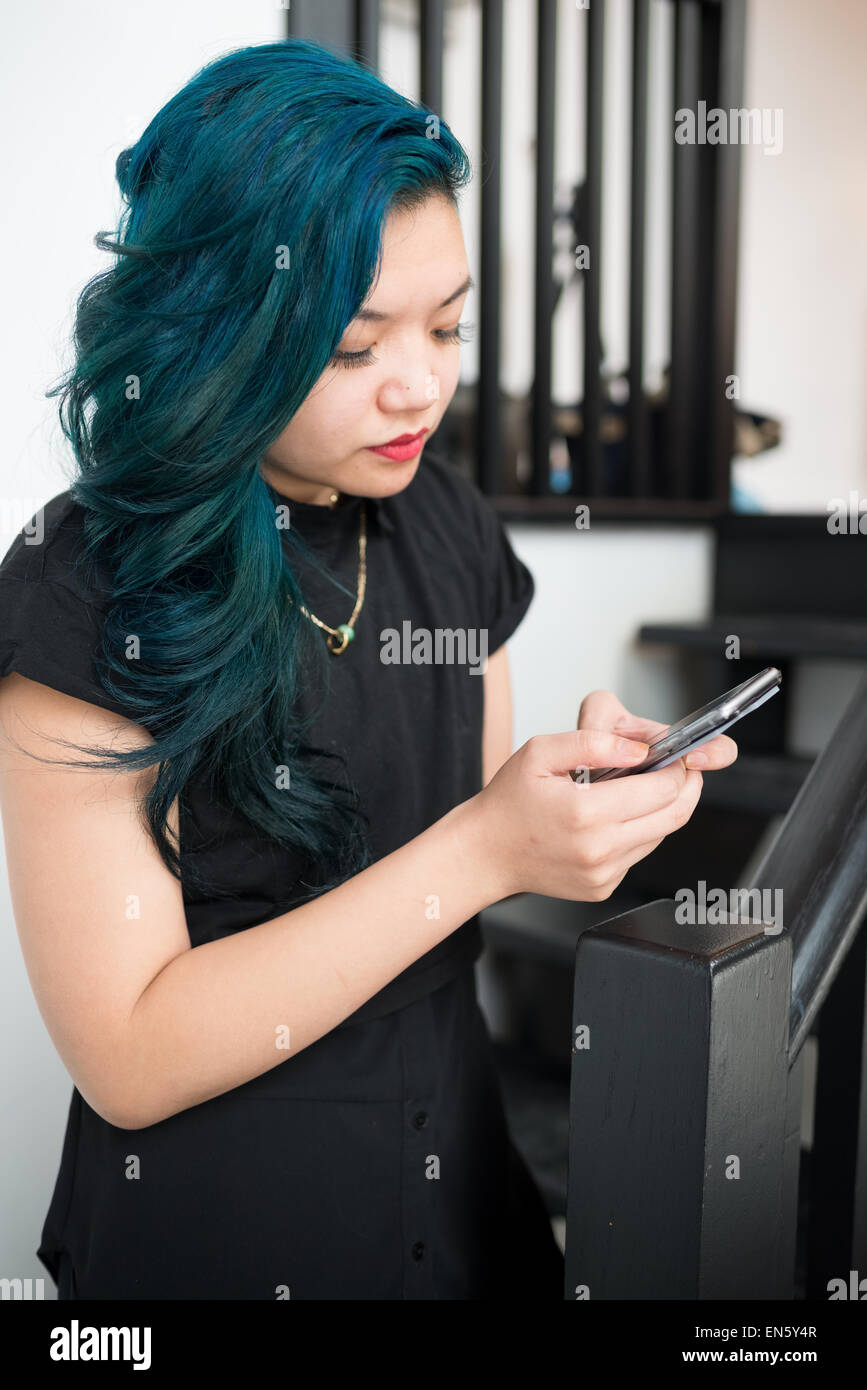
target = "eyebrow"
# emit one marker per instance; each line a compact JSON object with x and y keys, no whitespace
{"x":373,"y":315}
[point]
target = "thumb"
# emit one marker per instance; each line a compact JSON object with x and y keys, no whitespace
{"x":562,"y":753}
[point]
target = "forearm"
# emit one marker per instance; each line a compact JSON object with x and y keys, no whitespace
{"x":214,"y":1017}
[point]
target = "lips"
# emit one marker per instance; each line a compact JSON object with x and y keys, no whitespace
{"x":402,"y":449}
{"x":401,"y":439}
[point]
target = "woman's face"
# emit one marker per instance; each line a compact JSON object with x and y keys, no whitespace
{"x":408,"y":381}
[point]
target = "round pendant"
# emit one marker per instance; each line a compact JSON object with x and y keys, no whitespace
{"x":347,"y":633}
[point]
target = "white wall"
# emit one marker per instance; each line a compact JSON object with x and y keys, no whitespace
{"x":80,"y":82}
{"x":802,"y":303}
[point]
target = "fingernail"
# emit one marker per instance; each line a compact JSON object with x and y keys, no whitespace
{"x":696,"y":760}
{"x":633,"y":746}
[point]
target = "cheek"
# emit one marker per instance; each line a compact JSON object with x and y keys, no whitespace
{"x":281,"y":448}
{"x":333,"y":405}
{"x":348,"y":399}
{"x":447,"y":381}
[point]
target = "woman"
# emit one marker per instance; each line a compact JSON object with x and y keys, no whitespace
{"x":248,"y":907}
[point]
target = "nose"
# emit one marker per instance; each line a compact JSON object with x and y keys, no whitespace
{"x":414,"y":388}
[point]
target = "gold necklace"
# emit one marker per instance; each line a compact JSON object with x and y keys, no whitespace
{"x":339,"y":638}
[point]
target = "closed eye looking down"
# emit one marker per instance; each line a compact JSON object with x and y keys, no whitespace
{"x":461,"y":333}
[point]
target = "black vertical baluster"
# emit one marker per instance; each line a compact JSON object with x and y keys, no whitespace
{"x":432,"y":13}
{"x":837,"y":1234}
{"x":544,"y":306}
{"x":488,"y":436}
{"x":704,"y":230}
{"x":638,"y":461}
{"x":591,"y":413}
{"x":685,"y":241}
{"x":730,"y":97}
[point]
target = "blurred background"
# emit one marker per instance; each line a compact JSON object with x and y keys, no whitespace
{"x":672,"y":336}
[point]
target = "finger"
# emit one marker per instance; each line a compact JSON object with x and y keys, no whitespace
{"x":636,"y":854}
{"x":601,"y":709}
{"x":645,"y":729}
{"x":557,"y":754}
{"x":661,"y":822}
{"x":632,"y":798}
{"x":716,"y":753}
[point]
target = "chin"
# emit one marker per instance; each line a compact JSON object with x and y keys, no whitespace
{"x":386,"y":477}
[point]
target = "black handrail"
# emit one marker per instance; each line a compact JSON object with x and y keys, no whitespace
{"x":819,"y":863}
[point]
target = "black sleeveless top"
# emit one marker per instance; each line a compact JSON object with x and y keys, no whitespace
{"x":318,"y":1176}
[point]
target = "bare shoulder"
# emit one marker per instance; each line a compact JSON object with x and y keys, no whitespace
{"x":32,"y":714}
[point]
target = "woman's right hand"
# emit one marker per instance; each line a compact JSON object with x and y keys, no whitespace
{"x":576,"y":840}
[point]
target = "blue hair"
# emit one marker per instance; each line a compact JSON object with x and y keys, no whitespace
{"x":255,"y":204}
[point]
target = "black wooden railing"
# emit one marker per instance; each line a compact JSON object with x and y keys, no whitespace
{"x":686,"y":1093}
{"x":669,"y":455}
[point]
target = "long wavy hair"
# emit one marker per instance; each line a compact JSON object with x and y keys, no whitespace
{"x":254,"y":209}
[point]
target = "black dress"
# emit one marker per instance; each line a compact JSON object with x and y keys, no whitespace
{"x":375,"y":1164}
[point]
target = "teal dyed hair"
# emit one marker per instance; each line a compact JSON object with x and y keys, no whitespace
{"x":280,"y":145}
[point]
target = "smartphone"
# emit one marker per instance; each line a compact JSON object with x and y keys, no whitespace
{"x":696,"y":728}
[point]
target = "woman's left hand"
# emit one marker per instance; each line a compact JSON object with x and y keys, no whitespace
{"x":601,"y":709}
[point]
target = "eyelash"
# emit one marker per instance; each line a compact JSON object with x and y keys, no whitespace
{"x":363,"y":359}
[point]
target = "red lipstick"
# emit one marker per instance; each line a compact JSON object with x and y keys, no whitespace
{"x":403,"y":447}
